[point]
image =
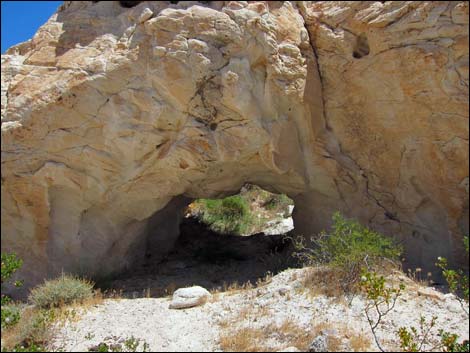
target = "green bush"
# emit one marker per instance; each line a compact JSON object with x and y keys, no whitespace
{"x":10,"y":314}
{"x":10,"y":263}
{"x":33,"y":331}
{"x":61,"y":291}
{"x":229,"y":215}
{"x":349,"y":249}
{"x":10,"y":311}
{"x":457,"y":280}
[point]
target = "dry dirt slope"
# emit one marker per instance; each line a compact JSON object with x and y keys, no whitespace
{"x":276,"y":315}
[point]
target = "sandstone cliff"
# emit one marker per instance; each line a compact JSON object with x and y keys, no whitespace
{"x":114,"y":118}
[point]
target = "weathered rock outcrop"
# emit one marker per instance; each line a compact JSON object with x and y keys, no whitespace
{"x":113,"y":115}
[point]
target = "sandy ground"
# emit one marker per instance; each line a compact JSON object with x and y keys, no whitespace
{"x":279,"y":299}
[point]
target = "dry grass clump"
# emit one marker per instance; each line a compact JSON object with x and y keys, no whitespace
{"x":246,"y":339}
{"x":287,"y":334}
{"x":291,"y":334}
{"x":323,"y":280}
{"x":359,"y":342}
{"x":51,"y":308}
{"x":240,"y":334}
{"x":61,"y":291}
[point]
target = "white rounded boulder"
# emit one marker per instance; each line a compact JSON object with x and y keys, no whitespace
{"x":189,"y":297}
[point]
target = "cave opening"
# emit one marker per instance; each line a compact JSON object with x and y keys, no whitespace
{"x":220,"y":244}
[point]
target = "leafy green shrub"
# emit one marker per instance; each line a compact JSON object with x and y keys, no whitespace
{"x":449,"y":341}
{"x":130,"y":345}
{"x":33,"y":329}
{"x":349,"y":250}
{"x":380,"y":300}
{"x":229,"y":215}
{"x":10,"y":263}
{"x":457,"y":280}
{"x":417,"y":339}
{"x":10,"y":312}
{"x":61,"y":291}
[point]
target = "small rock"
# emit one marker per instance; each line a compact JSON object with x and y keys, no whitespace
{"x":430,"y":293}
{"x":319,"y":344}
{"x":189,"y":297}
{"x":284,"y":290}
{"x":454,"y":307}
{"x":145,"y":15}
{"x":159,"y":51}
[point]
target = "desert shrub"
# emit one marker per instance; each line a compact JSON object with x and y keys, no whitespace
{"x":31,"y":333}
{"x":61,"y":291}
{"x":10,"y":314}
{"x":10,"y":311}
{"x":10,"y":264}
{"x":457,"y":280}
{"x":349,"y":250}
{"x":449,"y":342}
{"x":381,"y":299}
{"x":130,"y":345}
{"x":229,"y":215}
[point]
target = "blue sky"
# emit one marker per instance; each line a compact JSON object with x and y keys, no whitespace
{"x":21,"y":19}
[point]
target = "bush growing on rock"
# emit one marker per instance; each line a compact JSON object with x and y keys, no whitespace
{"x":229,"y":215}
{"x":61,"y":291}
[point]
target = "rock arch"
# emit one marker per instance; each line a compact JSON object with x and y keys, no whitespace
{"x":106,"y":125}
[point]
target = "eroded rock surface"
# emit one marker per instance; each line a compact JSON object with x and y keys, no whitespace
{"x":111,"y":114}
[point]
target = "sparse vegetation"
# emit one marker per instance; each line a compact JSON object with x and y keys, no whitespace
{"x":129,"y":345}
{"x":254,"y":339}
{"x":32,"y":329}
{"x":229,"y":215}
{"x":380,"y":301}
{"x":247,"y":212}
{"x":10,"y":311}
{"x":347,"y":251}
{"x":457,"y":280}
{"x":61,"y":291}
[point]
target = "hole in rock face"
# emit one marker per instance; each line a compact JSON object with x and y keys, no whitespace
{"x":362,"y":47}
{"x":221,"y":243}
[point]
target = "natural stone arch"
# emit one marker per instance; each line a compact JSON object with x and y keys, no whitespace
{"x":191,"y":101}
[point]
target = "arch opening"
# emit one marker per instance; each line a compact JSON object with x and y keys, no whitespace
{"x":214,"y":243}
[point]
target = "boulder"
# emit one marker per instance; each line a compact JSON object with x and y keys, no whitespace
{"x":189,"y":297}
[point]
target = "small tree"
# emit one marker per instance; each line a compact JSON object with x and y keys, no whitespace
{"x":380,"y":300}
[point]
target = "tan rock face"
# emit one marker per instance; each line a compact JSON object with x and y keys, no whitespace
{"x":114,"y":118}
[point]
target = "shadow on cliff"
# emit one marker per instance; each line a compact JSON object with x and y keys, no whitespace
{"x":208,"y":259}
{"x":82,"y":31}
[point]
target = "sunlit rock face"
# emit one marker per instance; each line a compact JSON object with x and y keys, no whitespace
{"x":114,"y":118}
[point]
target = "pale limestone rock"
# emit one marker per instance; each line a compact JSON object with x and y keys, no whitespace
{"x":429,"y":292}
{"x":113,"y":119}
{"x":189,"y":297}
